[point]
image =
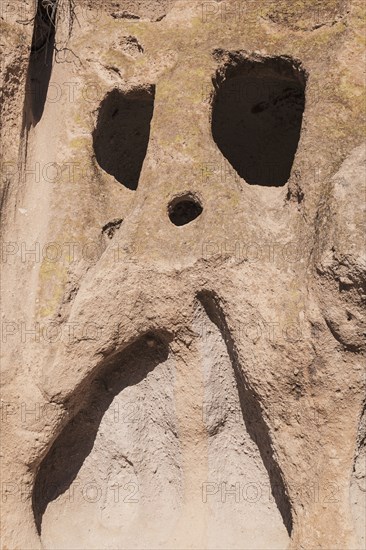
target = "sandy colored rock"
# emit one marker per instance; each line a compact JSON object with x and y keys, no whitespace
{"x":183,"y":275}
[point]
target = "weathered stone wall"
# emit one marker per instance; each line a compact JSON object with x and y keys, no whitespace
{"x":183,"y":274}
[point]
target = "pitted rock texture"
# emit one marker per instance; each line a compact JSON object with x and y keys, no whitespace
{"x":183,"y":275}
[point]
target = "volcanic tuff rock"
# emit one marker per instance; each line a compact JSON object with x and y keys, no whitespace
{"x":183,"y":274}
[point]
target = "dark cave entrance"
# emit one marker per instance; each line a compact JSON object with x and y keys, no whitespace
{"x":184,"y":209}
{"x":257,"y":111}
{"x":122,"y":133}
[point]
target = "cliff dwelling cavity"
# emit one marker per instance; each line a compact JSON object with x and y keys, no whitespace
{"x":122,"y":133}
{"x":257,"y":112}
{"x":184,"y":209}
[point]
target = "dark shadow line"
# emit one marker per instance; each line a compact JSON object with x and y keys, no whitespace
{"x":40,"y":64}
{"x":68,"y":452}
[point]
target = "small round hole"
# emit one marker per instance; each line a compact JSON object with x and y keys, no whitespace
{"x":184,"y":209}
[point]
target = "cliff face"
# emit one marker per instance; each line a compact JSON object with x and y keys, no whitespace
{"x":183,"y":274}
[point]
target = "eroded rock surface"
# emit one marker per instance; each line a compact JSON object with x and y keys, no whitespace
{"x":183,"y":275}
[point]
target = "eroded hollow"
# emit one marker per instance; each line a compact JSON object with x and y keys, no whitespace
{"x":250,"y":404}
{"x":122,"y":132}
{"x":70,"y":450}
{"x":184,"y":209}
{"x":140,"y":452}
{"x":257,"y":111}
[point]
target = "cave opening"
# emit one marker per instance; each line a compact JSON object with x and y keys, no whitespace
{"x":184,"y":209}
{"x":257,"y":110}
{"x":122,"y":132}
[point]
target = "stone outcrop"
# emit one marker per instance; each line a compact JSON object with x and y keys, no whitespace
{"x":183,"y":274}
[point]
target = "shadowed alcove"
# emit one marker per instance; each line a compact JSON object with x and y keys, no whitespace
{"x":184,"y":209}
{"x":257,"y":111}
{"x":122,"y":133}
